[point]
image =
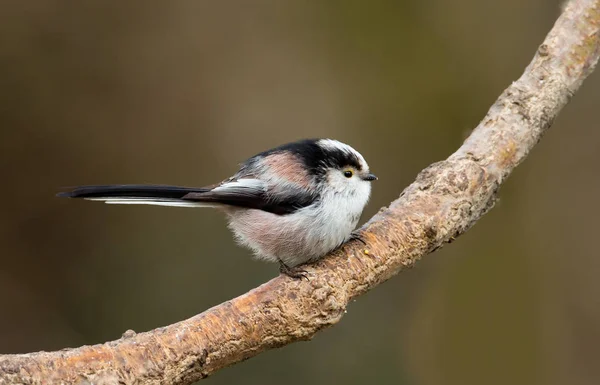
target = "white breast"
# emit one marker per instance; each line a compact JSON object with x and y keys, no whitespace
{"x":304,"y":235}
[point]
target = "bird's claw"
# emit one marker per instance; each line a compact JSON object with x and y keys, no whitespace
{"x":356,"y":236}
{"x":293,"y":272}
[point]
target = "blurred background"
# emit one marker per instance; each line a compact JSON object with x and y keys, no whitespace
{"x":100,"y":92}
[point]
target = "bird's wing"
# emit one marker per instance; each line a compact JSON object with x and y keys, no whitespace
{"x":255,"y":194}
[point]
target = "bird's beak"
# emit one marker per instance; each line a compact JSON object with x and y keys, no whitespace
{"x":369,"y":177}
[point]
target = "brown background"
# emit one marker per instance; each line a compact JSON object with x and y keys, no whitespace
{"x":179,"y":92}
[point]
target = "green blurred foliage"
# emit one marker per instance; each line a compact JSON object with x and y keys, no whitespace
{"x":180,"y":92}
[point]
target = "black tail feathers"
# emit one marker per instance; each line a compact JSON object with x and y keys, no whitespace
{"x":131,"y":191}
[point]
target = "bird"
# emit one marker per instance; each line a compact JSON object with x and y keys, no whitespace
{"x":291,"y":204}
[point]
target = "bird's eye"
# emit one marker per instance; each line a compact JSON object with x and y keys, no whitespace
{"x":348,"y":173}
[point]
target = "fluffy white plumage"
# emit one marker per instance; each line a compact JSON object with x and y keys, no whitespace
{"x":306,"y":234}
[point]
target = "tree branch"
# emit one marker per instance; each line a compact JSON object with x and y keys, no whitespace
{"x":447,"y":198}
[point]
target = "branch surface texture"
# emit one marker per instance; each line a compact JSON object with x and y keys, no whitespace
{"x":446,"y":199}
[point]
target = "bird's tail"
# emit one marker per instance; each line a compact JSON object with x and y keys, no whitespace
{"x":138,"y":194}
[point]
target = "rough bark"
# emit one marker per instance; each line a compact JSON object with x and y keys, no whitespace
{"x":446,"y":199}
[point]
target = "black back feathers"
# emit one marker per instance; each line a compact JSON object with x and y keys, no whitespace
{"x":317,"y":157}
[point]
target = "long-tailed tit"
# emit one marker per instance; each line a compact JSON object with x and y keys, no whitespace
{"x":291,"y":204}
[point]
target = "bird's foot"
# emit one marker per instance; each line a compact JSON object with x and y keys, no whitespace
{"x":356,"y":236}
{"x":292,"y":272}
